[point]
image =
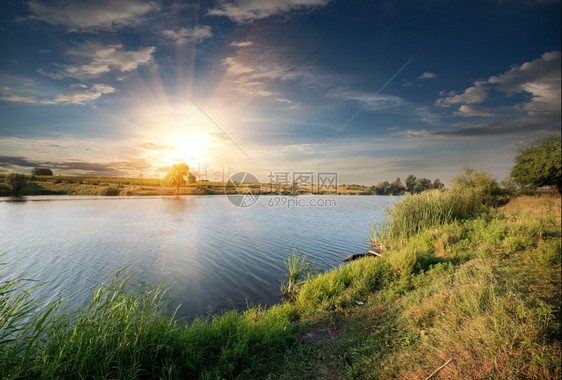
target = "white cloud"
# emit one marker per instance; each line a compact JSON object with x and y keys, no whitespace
{"x":85,"y":96}
{"x":98,"y":59}
{"x":427,"y":75}
{"x":243,"y":11}
{"x":468,"y":110}
{"x":185,"y":35}
{"x":91,"y":15}
{"x":540,"y":78}
{"x":241,"y":43}
{"x":18,"y":99}
{"x":472,"y":95}
{"x":79,"y":97}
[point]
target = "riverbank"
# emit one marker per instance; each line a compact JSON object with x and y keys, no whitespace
{"x":478,"y":290}
{"x":117,"y":186}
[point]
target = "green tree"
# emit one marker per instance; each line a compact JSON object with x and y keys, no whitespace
{"x":437,"y":184}
{"x":410,"y":183}
{"x":16,"y":183}
{"x":481,"y":184}
{"x":176,"y":176}
{"x":41,"y":171}
{"x":539,"y":166}
{"x":396,"y":187}
{"x":422,"y":184}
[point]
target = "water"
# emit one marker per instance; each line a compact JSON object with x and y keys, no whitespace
{"x":215,"y":256}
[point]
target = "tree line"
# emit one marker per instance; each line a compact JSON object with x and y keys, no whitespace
{"x":412,"y":185}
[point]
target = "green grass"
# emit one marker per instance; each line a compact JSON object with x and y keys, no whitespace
{"x":463,"y":291}
{"x":479,"y":290}
{"x":129,"y":334}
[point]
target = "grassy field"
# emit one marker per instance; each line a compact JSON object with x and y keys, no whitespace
{"x":117,"y":186}
{"x":475,"y":293}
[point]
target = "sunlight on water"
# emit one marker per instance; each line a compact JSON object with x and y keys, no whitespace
{"x":213,"y":255}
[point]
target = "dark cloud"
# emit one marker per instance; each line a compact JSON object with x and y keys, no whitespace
{"x":17,"y":161}
{"x":110,"y":169}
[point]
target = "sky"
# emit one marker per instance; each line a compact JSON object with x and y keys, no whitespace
{"x":370,"y":90}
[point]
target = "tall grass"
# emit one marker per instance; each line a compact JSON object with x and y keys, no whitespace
{"x":299,"y":269}
{"x":129,"y":335}
{"x":418,"y":212}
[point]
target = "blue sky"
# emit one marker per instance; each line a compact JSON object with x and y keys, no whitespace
{"x":372,"y":90}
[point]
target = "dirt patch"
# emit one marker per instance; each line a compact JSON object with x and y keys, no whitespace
{"x":320,"y":334}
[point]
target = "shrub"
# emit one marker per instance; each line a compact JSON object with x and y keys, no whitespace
{"x":482,"y":185}
{"x":42,"y":171}
{"x":15,"y":182}
{"x":108,"y":190}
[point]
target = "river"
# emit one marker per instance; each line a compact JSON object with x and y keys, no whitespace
{"x":213,"y":255}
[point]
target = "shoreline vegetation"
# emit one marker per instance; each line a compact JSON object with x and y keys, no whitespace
{"x":122,"y":186}
{"x":468,"y":286}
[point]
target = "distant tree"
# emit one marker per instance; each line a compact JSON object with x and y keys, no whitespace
{"x":422,"y":184}
{"x":176,"y":176}
{"x":396,"y":187}
{"x":410,"y":183}
{"x":41,"y":171}
{"x":191,"y":178}
{"x":437,"y":184}
{"x":15,"y":182}
{"x":539,"y":166}
{"x":383,"y":188}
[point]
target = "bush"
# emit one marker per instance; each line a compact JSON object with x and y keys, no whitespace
{"x":110,"y":191}
{"x":42,"y":171}
{"x":482,"y":185}
{"x":15,"y":182}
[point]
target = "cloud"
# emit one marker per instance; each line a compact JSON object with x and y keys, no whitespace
{"x":472,"y":95}
{"x":91,"y":15}
{"x":427,"y":75}
{"x":16,"y":161}
{"x":81,"y":97}
{"x":374,"y":102}
{"x":241,"y":43}
{"x":77,"y":167}
{"x":244,"y":11}
{"x":18,"y":99}
{"x":540,"y":78}
{"x":467,"y":110}
{"x":185,"y":35}
{"x":97,"y":59}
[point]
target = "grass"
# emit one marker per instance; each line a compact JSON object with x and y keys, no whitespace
{"x":474,"y":288}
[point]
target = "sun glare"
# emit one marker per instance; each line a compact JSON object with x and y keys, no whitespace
{"x":188,"y":148}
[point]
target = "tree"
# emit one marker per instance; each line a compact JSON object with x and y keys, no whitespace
{"x":539,"y":166}
{"x":481,"y":184}
{"x":422,"y":184}
{"x":176,"y":176}
{"x":15,"y":182}
{"x":410,"y":183}
{"x":41,"y":171}
{"x":396,"y":187}
{"x":191,"y":178}
{"x":437,"y":184}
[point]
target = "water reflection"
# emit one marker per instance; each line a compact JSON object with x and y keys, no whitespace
{"x":212,"y":254}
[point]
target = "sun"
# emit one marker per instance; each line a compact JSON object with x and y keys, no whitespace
{"x":175,"y":148}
